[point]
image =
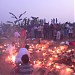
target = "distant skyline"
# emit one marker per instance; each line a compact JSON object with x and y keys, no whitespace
{"x":44,"y":9}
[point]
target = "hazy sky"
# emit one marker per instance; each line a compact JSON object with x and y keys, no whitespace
{"x":48,"y":9}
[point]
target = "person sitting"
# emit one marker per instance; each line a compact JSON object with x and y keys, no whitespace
{"x":25,"y":68}
{"x":21,"y":52}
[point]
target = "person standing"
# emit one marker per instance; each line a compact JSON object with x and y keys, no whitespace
{"x":16,"y":36}
{"x":58,"y":35}
{"x":70,"y":32}
{"x":23,"y":37}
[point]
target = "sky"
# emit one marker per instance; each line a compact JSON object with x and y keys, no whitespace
{"x":44,"y":9}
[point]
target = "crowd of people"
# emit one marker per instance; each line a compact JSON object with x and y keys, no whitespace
{"x":48,"y":31}
{"x":53,"y":31}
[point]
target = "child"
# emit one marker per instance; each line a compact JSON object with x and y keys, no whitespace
{"x":25,"y":68}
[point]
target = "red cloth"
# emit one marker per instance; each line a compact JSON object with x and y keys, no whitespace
{"x":72,"y":43}
{"x":23,"y":33}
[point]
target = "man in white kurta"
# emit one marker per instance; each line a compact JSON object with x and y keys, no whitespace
{"x":21,"y":52}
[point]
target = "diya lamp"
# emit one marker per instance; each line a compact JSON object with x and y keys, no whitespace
{"x":66,"y":71}
{"x":5,"y":44}
{"x":1,"y":46}
{"x":37,"y":64}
